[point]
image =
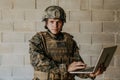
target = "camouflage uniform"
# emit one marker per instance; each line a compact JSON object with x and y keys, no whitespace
{"x":48,"y":51}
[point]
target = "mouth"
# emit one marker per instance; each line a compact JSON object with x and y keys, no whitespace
{"x":55,"y":29}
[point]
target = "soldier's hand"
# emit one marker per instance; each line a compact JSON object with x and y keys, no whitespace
{"x":100,"y":71}
{"x":76,"y":65}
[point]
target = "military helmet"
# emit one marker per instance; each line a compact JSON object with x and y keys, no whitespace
{"x":54,"y":12}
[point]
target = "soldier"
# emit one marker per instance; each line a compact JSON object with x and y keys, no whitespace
{"x":53,"y":53}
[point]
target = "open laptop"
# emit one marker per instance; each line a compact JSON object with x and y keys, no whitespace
{"x":104,"y":59}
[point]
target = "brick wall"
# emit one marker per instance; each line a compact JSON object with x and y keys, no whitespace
{"x":94,"y":24}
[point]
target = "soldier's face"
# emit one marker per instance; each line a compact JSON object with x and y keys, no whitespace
{"x":54,"y":25}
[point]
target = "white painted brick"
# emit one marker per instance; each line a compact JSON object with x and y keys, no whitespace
{"x":5,"y":71}
{"x":112,"y":4}
{"x":102,"y":15}
{"x":80,"y":16}
{"x":13,"y":37}
{"x":6,"y":48}
{"x":118,"y":39}
{"x":28,"y":36}
{"x":0,"y":59}
{"x":93,"y":60}
{"x":27,"y":59}
{"x":86,"y":59}
{"x":117,"y":61}
{"x":21,"y":78}
{"x":12,"y":15}
{"x":90,"y":50}
{"x":43,"y":4}
{"x":83,"y":38}
{"x":21,"y":48}
{"x":67,"y":16}
{"x":118,"y":16}
{"x":6,"y":78}
{"x":40,"y":26}
{"x":34,"y":15}
{"x":96,"y":4}
{"x":100,"y":77}
{"x":112,"y":72}
{"x":90,"y":53}
{"x":0,"y":37}
{"x":55,"y":2}
{"x":103,"y":38}
{"x":23,"y":72}
{"x":26,"y":26}
{"x":84,"y":4}
{"x":68,"y":4}
{"x":0,"y":14}
{"x":12,"y":60}
{"x":5,"y":4}
{"x":107,"y":45}
{"x":71,"y":27}
{"x":91,"y":27}
{"x":24,"y":4}
{"x":6,"y":26}
{"x":111,"y":27}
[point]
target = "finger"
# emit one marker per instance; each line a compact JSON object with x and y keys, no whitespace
{"x":98,"y":72}
{"x":80,"y":63}
{"x":80,"y":67}
{"x":92,"y":75}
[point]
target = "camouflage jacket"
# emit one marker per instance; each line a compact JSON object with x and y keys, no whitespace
{"x":45,"y":57}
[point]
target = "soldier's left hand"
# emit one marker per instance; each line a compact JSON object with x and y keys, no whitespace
{"x":100,"y":71}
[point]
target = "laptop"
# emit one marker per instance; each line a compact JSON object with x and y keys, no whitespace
{"x":104,"y":59}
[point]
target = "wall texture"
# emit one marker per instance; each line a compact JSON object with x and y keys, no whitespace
{"x":94,"y":24}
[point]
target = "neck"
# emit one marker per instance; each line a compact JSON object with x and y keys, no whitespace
{"x":54,"y":34}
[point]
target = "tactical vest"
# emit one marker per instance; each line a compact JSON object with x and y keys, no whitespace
{"x":59,"y":50}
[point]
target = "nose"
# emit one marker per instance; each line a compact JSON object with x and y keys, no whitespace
{"x":56,"y":24}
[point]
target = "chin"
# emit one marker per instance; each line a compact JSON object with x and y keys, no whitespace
{"x":55,"y":32}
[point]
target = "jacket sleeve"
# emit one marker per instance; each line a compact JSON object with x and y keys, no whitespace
{"x":77,"y":57}
{"x":38,"y":58}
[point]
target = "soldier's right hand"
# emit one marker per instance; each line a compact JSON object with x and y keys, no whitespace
{"x":76,"y":65}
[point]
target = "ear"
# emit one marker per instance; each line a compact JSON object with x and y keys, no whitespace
{"x":46,"y":24}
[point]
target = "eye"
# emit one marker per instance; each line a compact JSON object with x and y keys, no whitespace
{"x":59,"y":21}
{"x":51,"y":21}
